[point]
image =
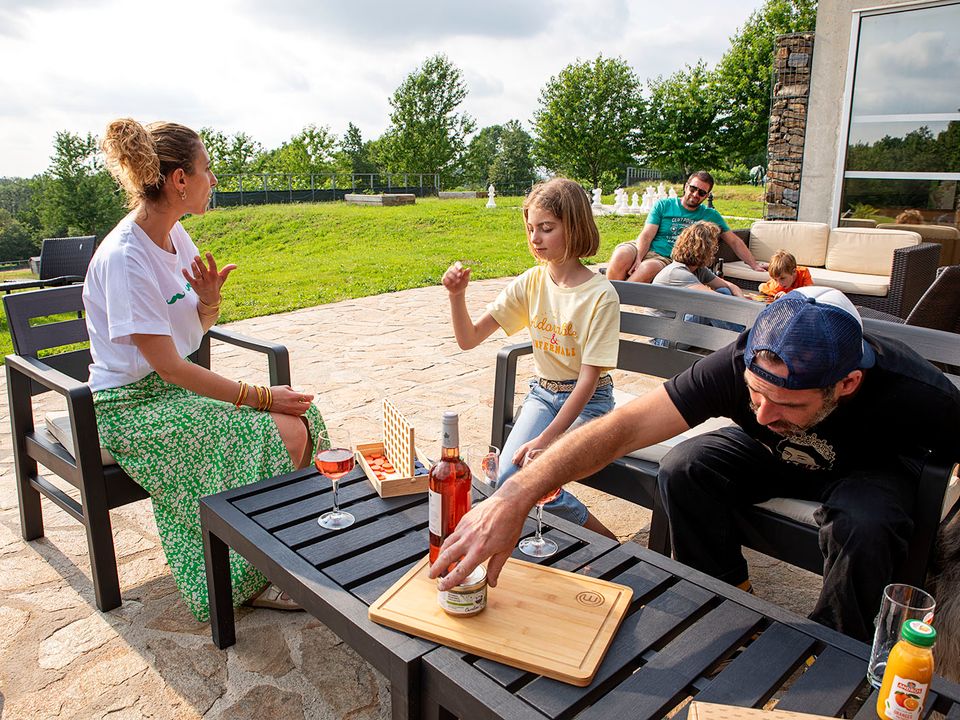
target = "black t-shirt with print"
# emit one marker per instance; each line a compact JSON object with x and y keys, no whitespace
{"x":903,"y":408}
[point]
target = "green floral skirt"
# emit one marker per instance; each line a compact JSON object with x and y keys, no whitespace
{"x":179,"y":447}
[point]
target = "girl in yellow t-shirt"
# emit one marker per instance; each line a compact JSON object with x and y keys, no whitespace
{"x":573,"y":316}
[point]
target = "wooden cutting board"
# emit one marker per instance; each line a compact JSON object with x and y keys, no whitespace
{"x":554,"y":623}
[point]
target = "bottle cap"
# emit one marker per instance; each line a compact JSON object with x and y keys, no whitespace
{"x":451,"y":429}
{"x":919,"y":633}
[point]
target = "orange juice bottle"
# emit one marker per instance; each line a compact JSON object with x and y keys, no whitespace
{"x":908,"y":674}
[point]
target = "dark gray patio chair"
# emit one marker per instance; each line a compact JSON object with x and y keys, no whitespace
{"x":63,"y":261}
{"x":937,"y":308}
{"x":79,"y":460}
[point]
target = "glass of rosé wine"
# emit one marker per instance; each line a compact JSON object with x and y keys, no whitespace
{"x":538,"y":546}
{"x":334,"y":460}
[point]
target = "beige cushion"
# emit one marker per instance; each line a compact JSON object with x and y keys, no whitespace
{"x":806,"y":241}
{"x":926,"y":232}
{"x":742,"y":271}
{"x":799,"y":510}
{"x":58,"y":424}
{"x":866,"y":250}
{"x":849,"y":282}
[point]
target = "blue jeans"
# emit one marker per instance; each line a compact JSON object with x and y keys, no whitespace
{"x":723,"y":324}
{"x":539,"y":409}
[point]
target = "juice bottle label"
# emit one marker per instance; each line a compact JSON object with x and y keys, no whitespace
{"x":435,"y":505}
{"x":905,"y":701}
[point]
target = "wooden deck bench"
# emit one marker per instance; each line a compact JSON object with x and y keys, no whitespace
{"x":782,"y":528}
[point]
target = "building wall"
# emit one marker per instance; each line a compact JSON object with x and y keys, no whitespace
{"x":821,"y":153}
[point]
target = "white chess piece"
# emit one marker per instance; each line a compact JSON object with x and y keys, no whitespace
{"x":597,"y":192}
{"x":635,"y":203}
{"x":491,"y":191}
{"x":648,"y":199}
{"x":673,"y":193}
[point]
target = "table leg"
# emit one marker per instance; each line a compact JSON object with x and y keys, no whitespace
{"x":405,"y":692}
{"x":219,"y":587}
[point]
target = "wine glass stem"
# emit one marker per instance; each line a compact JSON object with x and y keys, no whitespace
{"x":336,"y":501}
{"x":539,"y":536}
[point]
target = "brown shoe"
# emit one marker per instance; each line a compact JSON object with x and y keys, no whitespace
{"x":273,"y":598}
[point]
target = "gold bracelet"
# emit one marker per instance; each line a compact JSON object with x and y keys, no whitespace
{"x":269,"y":399}
{"x":241,"y":396}
{"x":259,"y":396}
{"x":214,"y":308}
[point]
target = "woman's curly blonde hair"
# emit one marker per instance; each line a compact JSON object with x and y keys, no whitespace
{"x":141,"y":157}
{"x":697,"y":244}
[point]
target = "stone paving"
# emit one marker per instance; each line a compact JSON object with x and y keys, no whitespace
{"x":61,"y":658}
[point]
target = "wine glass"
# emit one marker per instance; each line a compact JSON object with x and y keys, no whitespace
{"x":538,"y":546}
{"x":334,"y":462}
{"x":490,"y":466}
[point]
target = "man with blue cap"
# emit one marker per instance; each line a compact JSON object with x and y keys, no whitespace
{"x":821,"y":412}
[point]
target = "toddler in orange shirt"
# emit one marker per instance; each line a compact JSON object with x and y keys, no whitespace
{"x":785,"y":275}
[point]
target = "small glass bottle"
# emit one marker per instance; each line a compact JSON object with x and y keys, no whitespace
{"x":449,"y":491}
{"x":908,"y":674}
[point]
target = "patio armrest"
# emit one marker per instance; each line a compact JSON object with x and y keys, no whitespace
{"x":503,"y":389}
{"x":277,"y":355}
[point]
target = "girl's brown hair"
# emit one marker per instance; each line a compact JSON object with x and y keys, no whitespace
{"x":569,"y":202}
{"x":697,"y":244}
{"x":141,"y":158}
{"x":782,"y":263}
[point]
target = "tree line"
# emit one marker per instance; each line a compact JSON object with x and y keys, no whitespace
{"x":593,"y":118}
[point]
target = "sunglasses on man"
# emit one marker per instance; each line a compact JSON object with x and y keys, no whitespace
{"x":698,"y":190}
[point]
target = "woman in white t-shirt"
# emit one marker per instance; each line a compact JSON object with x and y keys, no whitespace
{"x":179,"y":430}
{"x":573,"y":316}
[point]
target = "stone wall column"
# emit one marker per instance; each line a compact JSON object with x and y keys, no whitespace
{"x":790,"y":96}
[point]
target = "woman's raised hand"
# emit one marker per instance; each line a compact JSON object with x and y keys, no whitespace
{"x":456,"y":278}
{"x":288,"y":401}
{"x":206,"y":280}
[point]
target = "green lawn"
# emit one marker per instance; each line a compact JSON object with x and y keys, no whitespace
{"x":295,"y":256}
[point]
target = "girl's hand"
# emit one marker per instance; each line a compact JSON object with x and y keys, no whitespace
{"x":456,"y":278}
{"x":288,"y":401}
{"x":520,"y":456}
{"x":206,"y":280}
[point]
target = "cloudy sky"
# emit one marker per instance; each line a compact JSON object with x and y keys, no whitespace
{"x":270,"y":67}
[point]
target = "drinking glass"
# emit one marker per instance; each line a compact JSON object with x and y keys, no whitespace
{"x":538,"y":546}
{"x":333,"y":463}
{"x":900,"y":603}
{"x":490,"y":466}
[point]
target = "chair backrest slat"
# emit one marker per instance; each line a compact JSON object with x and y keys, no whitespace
{"x":22,"y":308}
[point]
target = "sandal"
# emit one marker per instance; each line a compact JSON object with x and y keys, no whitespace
{"x":273,"y":598}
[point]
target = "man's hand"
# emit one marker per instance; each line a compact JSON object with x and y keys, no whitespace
{"x":760,"y":266}
{"x":489,"y":530}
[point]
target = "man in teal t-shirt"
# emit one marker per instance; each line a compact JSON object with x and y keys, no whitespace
{"x":643,"y":258}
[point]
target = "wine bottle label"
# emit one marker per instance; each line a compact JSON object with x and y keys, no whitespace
{"x":435,"y":505}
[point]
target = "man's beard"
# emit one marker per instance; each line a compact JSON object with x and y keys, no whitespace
{"x":788,"y":429}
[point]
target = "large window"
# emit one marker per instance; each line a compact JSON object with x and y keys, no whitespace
{"x":903,"y":135}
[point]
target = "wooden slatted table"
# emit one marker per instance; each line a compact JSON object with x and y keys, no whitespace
{"x":335,"y":575}
{"x":687,"y":636}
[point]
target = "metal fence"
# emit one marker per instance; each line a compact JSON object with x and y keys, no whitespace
{"x":267,"y":188}
{"x":636,"y":175}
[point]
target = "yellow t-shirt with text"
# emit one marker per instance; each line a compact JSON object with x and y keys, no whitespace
{"x":568,"y":326}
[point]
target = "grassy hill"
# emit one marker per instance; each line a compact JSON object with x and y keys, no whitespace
{"x":295,"y":256}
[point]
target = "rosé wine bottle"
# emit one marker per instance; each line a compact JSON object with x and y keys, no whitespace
{"x":450,"y":489}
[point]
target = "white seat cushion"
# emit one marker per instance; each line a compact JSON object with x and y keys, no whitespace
{"x":58,"y":425}
{"x":799,"y":510}
{"x":741,"y":271}
{"x":866,"y":250}
{"x":851,"y":282}
{"x":654,"y":453}
{"x":806,"y":241}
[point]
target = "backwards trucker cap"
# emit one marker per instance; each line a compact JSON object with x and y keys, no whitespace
{"x":818,"y":334}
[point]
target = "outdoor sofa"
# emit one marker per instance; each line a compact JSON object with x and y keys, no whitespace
{"x":887,"y":270}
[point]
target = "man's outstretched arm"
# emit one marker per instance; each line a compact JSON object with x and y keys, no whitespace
{"x":742,"y":251}
{"x":492,"y":528}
